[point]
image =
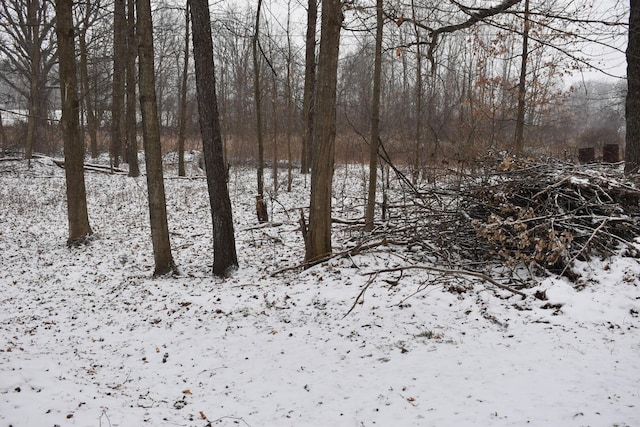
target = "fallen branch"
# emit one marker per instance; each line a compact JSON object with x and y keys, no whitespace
{"x":94,"y":168}
{"x":451,"y":272}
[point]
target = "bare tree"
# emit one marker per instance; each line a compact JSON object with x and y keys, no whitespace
{"x":224,"y":249}
{"x":151,"y":140}
{"x":261,"y":209}
{"x":88,"y":16}
{"x":289,"y":99}
{"x":183,"y":95}
{"x":118,"y":95}
{"x":375,"y":121}
{"x":318,"y":240}
{"x":309,"y":86}
{"x":522,"y":83}
{"x":31,"y":54}
{"x":131,"y":121}
{"x":79,"y":228}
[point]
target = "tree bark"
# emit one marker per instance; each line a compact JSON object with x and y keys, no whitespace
{"x":79,"y":228}
{"x":224,"y":248}
{"x":632,"y":152}
{"x":309,"y":86}
{"x":131,"y":121}
{"x":375,"y":121}
{"x":151,"y":140}
{"x":318,"y":243}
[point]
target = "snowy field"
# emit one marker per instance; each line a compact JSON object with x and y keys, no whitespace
{"x":89,"y":338}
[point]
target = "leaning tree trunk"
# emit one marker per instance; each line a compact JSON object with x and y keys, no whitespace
{"x":224,"y":247}
{"x":318,"y":240}
{"x":151,"y":140}
{"x":632,"y":152}
{"x":79,"y":228}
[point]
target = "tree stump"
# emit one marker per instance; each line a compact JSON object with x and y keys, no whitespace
{"x":261,"y":209}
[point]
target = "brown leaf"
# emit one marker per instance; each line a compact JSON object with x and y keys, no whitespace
{"x":186,"y":392}
{"x":202,"y":415}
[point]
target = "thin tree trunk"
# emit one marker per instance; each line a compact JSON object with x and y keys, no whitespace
{"x":118,"y":96}
{"x":632,"y":151}
{"x":375,"y":121}
{"x":34,"y":86}
{"x":308,"y":102}
{"x":151,"y":139}
{"x":79,"y":228}
{"x":318,"y":242}
{"x":3,"y":138}
{"x":183,"y":96}
{"x":261,"y":209}
{"x":522,"y":84}
{"x":224,"y":249}
{"x":417,"y":152}
{"x":274,"y":120}
{"x":289,"y":101}
{"x":131,"y":124}
{"x":87,"y":95}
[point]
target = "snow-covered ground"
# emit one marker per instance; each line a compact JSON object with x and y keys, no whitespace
{"x":89,"y":338}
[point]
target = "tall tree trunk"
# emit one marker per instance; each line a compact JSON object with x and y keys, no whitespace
{"x":274,"y":121}
{"x":308,"y":102}
{"x":418,"y":149}
{"x":151,"y":140}
{"x":522,"y":83}
{"x":288,"y":94}
{"x":87,"y":95}
{"x":318,"y":241}
{"x":131,"y":121}
{"x":183,"y":96}
{"x":375,"y":121}
{"x":34,"y":80}
{"x":632,"y":151}
{"x":224,"y":247}
{"x":261,"y":209}
{"x":79,"y":228}
{"x":118,"y":96}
